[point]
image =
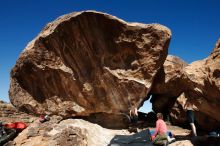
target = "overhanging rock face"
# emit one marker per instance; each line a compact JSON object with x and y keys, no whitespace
{"x":88,"y":62}
{"x":198,"y":83}
{"x":203,"y":80}
{"x":168,"y":84}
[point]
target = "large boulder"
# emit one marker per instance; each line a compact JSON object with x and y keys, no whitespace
{"x":88,"y":62}
{"x":203,"y":82}
{"x":198,"y":82}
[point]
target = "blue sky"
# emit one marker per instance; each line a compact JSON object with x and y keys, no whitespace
{"x":195,"y":24}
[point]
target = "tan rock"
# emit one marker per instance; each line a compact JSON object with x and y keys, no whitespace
{"x":203,"y":82}
{"x":76,"y":132}
{"x":198,"y":82}
{"x":88,"y":62}
{"x":182,"y":143}
{"x":169,"y":77}
{"x":66,"y":133}
{"x":168,"y":84}
{"x":178,"y":115}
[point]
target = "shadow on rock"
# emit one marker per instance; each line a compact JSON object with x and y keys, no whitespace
{"x":205,"y":141}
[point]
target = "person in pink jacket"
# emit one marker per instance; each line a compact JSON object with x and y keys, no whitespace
{"x":160,"y":135}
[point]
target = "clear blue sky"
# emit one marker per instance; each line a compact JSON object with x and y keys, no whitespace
{"x":195,"y":24}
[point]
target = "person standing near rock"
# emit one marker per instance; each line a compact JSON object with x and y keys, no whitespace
{"x":133,"y":119}
{"x":133,"y":114}
{"x":190,"y":116}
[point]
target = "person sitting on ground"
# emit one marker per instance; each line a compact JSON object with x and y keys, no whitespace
{"x":190,"y":116}
{"x":133,"y":115}
{"x":160,"y":136}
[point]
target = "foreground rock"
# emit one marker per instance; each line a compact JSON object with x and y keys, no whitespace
{"x":86,"y":63}
{"x":66,"y":133}
{"x":76,"y":132}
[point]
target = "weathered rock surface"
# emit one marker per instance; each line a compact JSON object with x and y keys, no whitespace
{"x":178,"y":116}
{"x":199,"y":83}
{"x":169,"y":77}
{"x":168,"y":84}
{"x":65,"y":133}
{"x":76,"y":132}
{"x":203,"y":79}
{"x":88,"y":62}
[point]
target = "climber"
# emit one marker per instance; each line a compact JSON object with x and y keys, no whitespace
{"x":190,"y":116}
{"x":133,"y":115}
{"x":133,"y":119}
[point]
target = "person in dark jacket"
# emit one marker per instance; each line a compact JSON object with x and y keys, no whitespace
{"x":190,"y":116}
